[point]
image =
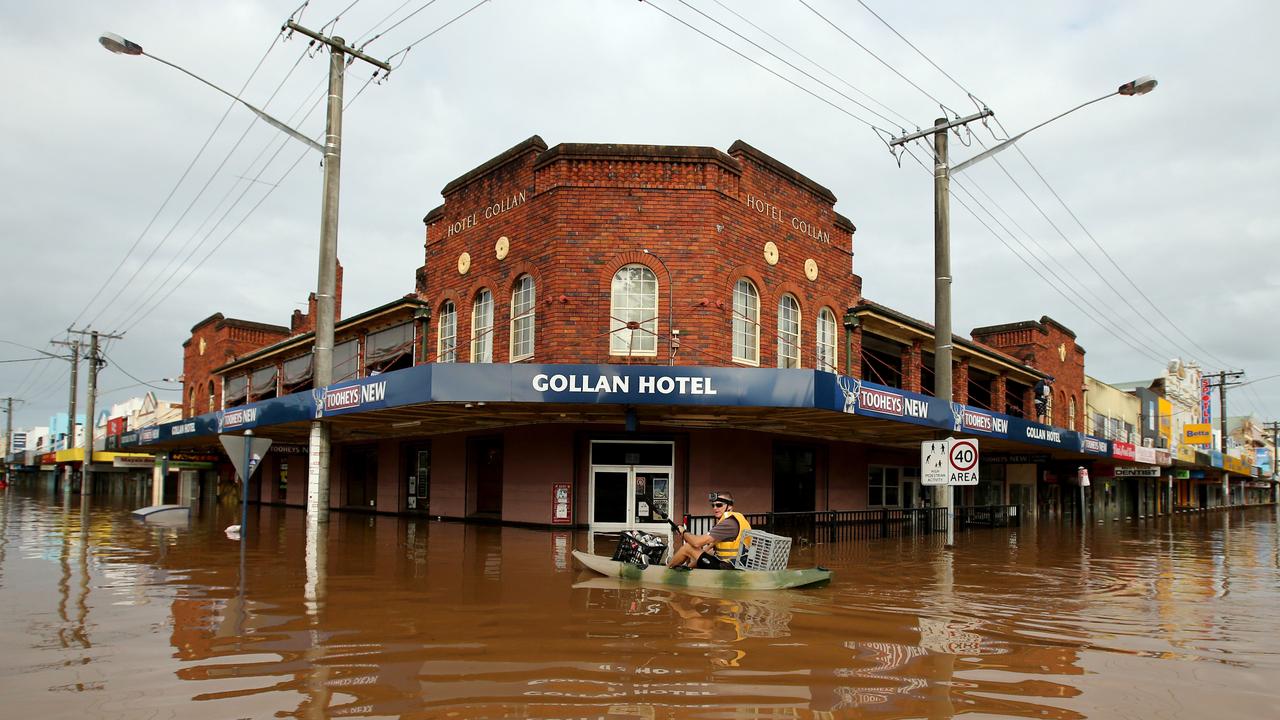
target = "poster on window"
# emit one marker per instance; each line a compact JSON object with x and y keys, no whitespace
{"x":642,"y":485}
{"x":660,"y":484}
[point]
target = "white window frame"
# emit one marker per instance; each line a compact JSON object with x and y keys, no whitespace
{"x":482,"y":327}
{"x":523,"y":308}
{"x":827,"y":354}
{"x":789,"y":335}
{"x":640,"y":306}
{"x":447,"y":333}
{"x":746,"y":323}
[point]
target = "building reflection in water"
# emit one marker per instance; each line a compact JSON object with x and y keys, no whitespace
{"x":378,"y":615}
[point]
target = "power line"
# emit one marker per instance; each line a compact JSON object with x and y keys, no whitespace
{"x":1110,"y":259}
{"x":111,"y":275}
{"x":1046,"y":280}
{"x":165,"y":276}
{"x":789,"y":64}
{"x":813,"y":62}
{"x":877,"y":57}
{"x":131,"y":376}
{"x":921,"y":53}
{"x":1065,"y":207}
{"x":773,"y":72}
{"x":411,"y":45}
{"x":1146,"y":341}
{"x":397,"y":24}
{"x":143,"y":314}
{"x":272,"y":186}
{"x":200,"y":194}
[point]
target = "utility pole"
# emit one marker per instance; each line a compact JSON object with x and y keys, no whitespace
{"x":322,"y":358}
{"x":1274,"y":427}
{"x":1226,"y":379}
{"x":71,"y":406}
{"x":86,"y":472}
{"x":943,"y":494}
{"x":8,"y":434}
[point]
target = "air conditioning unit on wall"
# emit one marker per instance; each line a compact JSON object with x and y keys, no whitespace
{"x":1148,"y":442}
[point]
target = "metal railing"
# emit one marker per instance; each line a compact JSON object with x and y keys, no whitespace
{"x":846,"y":525}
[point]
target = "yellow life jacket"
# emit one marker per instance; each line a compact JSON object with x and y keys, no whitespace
{"x":729,"y":549}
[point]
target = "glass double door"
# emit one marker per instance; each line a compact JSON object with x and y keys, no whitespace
{"x":630,"y":497}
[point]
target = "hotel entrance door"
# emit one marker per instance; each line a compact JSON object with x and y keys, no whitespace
{"x":636,"y":493}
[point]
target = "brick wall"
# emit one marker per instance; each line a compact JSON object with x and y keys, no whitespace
{"x":1049,"y":347}
{"x":216,"y":341}
{"x":575,"y":214}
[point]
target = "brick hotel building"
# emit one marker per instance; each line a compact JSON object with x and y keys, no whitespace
{"x":600,"y":334}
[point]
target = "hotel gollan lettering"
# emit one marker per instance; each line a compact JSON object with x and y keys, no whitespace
{"x":804,"y":227}
{"x":643,"y":385}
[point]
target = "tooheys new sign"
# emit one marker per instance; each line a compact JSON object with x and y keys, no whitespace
{"x":864,"y":398}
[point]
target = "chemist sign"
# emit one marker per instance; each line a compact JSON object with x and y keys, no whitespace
{"x":949,"y":462}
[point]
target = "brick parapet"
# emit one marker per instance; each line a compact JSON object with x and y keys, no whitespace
{"x":595,"y":208}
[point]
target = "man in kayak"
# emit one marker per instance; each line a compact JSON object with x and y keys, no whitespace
{"x":717,"y":549}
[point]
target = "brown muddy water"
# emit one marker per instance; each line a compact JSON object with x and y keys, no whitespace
{"x":104,"y":617}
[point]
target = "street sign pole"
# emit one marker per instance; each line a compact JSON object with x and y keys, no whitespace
{"x":246,"y":453}
{"x":244,"y":485}
{"x":949,"y":462}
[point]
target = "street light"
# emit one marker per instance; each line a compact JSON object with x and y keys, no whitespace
{"x":942,"y":241}
{"x":1141,"y":86}
{"x":322,"y":367}
{"x":121,"y":46}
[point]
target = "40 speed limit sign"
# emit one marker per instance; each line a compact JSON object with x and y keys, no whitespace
{"x":949,"y":462}
{"x":962,"y":457}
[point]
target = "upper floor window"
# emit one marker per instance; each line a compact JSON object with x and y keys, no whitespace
{"x":389,"y":349}
{"x":191,"y":402}
{"x":263,"y":383}
{"x":235,"y":390}
{"x":447,"y":334}
{"x":826,"y":339}
{"x":296,"y":372}
{"x":633,"y":312}
{"x":345,"y":359}
{"x":1071,"y":417}
{"x":746,"y":323}
{"x":522,"y":316}
{"x":482,"y":327}
{"x":211,"y":396}
{"x":788,"y":332}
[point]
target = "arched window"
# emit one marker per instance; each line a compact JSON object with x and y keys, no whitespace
{"x":746,"y":323}
{"x":447,"y":333}
{"x":191,"y":402}
{"x":826,"y":339}
{"x":788,"y":332}
{"x":482,"y":327}
{"x":1071,"y":419}
{"x":211,"y":406}
{"x":633,"y":312}
{"x":522,"y":316}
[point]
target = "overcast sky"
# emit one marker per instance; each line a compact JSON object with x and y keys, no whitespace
{"x":1176,"y":188}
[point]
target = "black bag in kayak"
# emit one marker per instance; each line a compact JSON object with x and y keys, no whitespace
{"x":640,"y":548}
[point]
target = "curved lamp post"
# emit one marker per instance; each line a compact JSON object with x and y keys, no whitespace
{"x":121,"y":46}
{"x":322,"y":373}
{"x":942,"y":242}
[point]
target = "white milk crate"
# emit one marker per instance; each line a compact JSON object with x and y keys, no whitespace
{"x":766,"y":551}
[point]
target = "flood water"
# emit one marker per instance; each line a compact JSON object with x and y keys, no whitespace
{"x":104,"y":617}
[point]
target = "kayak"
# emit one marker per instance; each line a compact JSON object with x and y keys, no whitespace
{"x":744,"y":579}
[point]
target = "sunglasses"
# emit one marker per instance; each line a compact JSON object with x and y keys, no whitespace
{"x":717,"y":504}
